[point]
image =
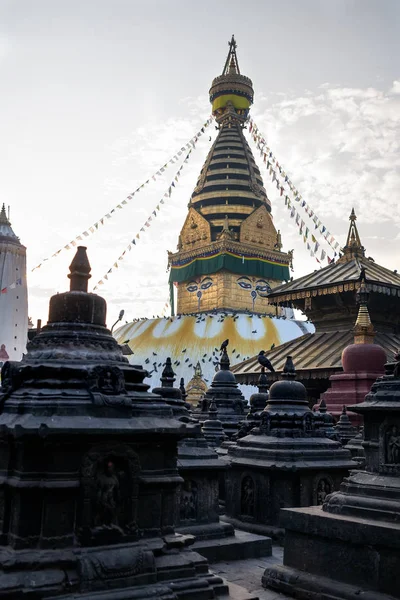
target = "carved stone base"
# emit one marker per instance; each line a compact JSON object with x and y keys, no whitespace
{"x":156,"y":568}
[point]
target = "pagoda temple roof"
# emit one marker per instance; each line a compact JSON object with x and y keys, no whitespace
{"x":316,"y":355}
{"x":328,"y":279}
{"x":343,"y":275}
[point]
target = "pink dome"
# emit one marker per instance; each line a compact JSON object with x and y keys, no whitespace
{"x":366,"y":358}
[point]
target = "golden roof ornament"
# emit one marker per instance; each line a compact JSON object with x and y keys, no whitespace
{"x":231,"y":94}
{"x":353,"y":247}
{"x":364,"y":332}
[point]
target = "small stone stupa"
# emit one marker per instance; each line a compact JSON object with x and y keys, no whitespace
{"x":231,"y":404}
{"x":171,"y":394}
{"x":288,"y":462}
{"x":89,"y":468}
{"x":350,"y":547}
{"x":198,"y":499}
{"x":344,"y":429}
{"x":212,"y":428}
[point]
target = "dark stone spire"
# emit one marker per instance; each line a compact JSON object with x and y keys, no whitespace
{"x":79,"y":271}
{"x":212,"y":428}
{"x":344,"y":428}
{"x":182,"y":389}
{"x":171,"y":394}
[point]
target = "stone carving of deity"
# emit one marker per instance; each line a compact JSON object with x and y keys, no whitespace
{"x":393,"y":445}
{"x":247,"y":498}
{"x":323,"y":489}
{"x":188,"y":502}
{"x":107,"y":496}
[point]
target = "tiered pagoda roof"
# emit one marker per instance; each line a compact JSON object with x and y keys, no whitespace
{"x":329,"y":298}
{"x":230,"y":183}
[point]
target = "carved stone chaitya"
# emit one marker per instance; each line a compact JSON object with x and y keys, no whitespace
{"x":230,"y":403}
{"x":200,"y":469}
{"x":88,"y":468}
{"x":285,"y":460}
{"x":350,"y":547}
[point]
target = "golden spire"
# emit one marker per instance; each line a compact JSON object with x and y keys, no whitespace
{"x":231,"y":63}
{"x":364,"y":332}
{"x":353,"y":247}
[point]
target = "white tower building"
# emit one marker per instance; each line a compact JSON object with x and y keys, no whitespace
{"x":13,"y":293}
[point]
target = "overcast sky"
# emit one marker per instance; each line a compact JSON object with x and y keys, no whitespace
{"x":96,"y":95}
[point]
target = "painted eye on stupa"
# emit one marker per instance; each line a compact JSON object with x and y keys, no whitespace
{"x":206,"y":283}
{"x":244,"y":283}
{"x":192,"y":287}
{"x":262,"y":287}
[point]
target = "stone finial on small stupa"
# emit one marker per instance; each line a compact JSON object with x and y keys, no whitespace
{"x":263,"y":382}
{"x":212,"y":411}
{"x":344,"y":428}
{"x":79,"y":271}
{"x":224,"y":361}
{"x":182,"y":389}
{"x":322,"y":406}
{"x":168,"y":375}
{"x":289,"y":370}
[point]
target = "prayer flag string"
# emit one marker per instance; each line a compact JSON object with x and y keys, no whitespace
{"x":102,"y":221}
{"x":285,"y":186}
{"x":147,"y":223}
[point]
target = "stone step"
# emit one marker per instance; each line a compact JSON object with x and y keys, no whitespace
{"x":241,"y":546}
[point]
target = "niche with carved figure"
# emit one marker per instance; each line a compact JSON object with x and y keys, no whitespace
{"x":109,"y":493}
{"x":322,"y":487}
{"x":188,"y":502}
{"x":247,"y":497}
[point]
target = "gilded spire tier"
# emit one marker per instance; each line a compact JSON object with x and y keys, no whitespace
{"x":229,"y":252}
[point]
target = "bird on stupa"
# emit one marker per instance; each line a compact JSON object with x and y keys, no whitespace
{"x":265,"y":362}
{"x":224,"y":345}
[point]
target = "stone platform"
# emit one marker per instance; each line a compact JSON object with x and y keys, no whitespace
{"x":361,"y":557}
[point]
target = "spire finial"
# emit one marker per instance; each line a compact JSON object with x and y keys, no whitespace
{"x":168,"y":375}
{"x":3,"y":216}
{"x":289,"y":370}
{"x":79,"y":271}
{"x":231,"y":63}
{"x":364,"y":332}
{"x":353,"y":247}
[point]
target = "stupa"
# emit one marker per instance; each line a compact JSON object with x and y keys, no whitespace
{"x":196,"y":387}
{"x":287,"y":462}
{"x":14,"y":293}
{"x":89,"y":468}
{"x":350,"y":547}
{"x":229,"y":255}
{"x":363,"y":362}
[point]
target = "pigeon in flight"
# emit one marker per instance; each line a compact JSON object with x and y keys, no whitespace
{"x":265,"y":362}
